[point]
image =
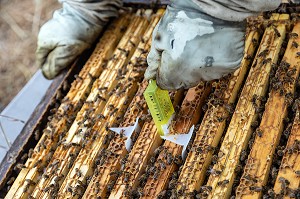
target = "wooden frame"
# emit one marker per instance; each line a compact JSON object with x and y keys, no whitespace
{"x":39,"y":117}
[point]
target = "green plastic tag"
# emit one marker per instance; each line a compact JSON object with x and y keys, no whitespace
{"x":159,"y":104}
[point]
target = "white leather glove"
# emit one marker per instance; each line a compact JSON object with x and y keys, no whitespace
{"x":72,"y":29}
{"x":189,"y":46}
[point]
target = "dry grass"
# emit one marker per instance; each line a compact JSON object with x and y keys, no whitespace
{"x":19,"y":25}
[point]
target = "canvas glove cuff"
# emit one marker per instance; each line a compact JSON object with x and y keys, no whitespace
{"x":200,"y":40}
{"x":72,"y":29}
{"x":189,"y":46}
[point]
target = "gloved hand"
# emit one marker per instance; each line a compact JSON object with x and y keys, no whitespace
{"x":72,"y":29}
{"x":189,"y":46}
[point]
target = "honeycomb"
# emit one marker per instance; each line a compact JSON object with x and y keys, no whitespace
{"x":245,"y":144}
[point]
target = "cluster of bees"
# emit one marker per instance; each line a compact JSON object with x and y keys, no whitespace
{"x":163,"y":157}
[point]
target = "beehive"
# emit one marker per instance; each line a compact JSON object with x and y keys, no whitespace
{"x":246,"y":141}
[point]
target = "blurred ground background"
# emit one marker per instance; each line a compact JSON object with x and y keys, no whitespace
{"x":19,"y":25}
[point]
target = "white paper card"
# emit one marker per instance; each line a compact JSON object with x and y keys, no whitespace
{"x":127,"y":131}
{"x":180,"y":139}
{"x":166,"y":127}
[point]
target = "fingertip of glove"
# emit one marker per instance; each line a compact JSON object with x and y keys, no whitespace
{"x":148,"y":75}
{"x":163,"y":84}
{"x":47,"y":75}
{"x":48,"y":71}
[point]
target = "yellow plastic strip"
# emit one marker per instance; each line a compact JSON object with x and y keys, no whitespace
{"x":159,"y":104}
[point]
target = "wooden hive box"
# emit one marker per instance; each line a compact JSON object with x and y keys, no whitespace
{"x":246,"y":142}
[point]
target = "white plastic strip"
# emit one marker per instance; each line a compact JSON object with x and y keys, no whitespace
{"x":180,"y":139}
{"x":166,"y":127}
{"x":127,"y":132}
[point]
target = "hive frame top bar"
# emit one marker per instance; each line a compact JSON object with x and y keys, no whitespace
{"x":17,"y":150}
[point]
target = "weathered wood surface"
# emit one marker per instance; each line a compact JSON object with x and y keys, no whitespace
{"x":288,"y":181}
{"x":63,"y":117}
{"x":116,"y":149}
{"x":99,"y":101}
{"x":214,"y":122}
{"x":188,"y":115}
{"x":270,"y":129}
{"x":239,"y":130}
{"x":87,"y":160}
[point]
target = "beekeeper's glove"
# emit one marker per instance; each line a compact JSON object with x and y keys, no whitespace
{"x":72,"y":29}
{"x":189,"y":45}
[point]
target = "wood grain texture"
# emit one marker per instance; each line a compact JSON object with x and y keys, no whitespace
{"x":213,"y":123}
{"x":239,"y":130}
{"x":260,"y":158}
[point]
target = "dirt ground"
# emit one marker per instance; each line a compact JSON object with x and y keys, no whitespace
{"x":19,"y":25}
